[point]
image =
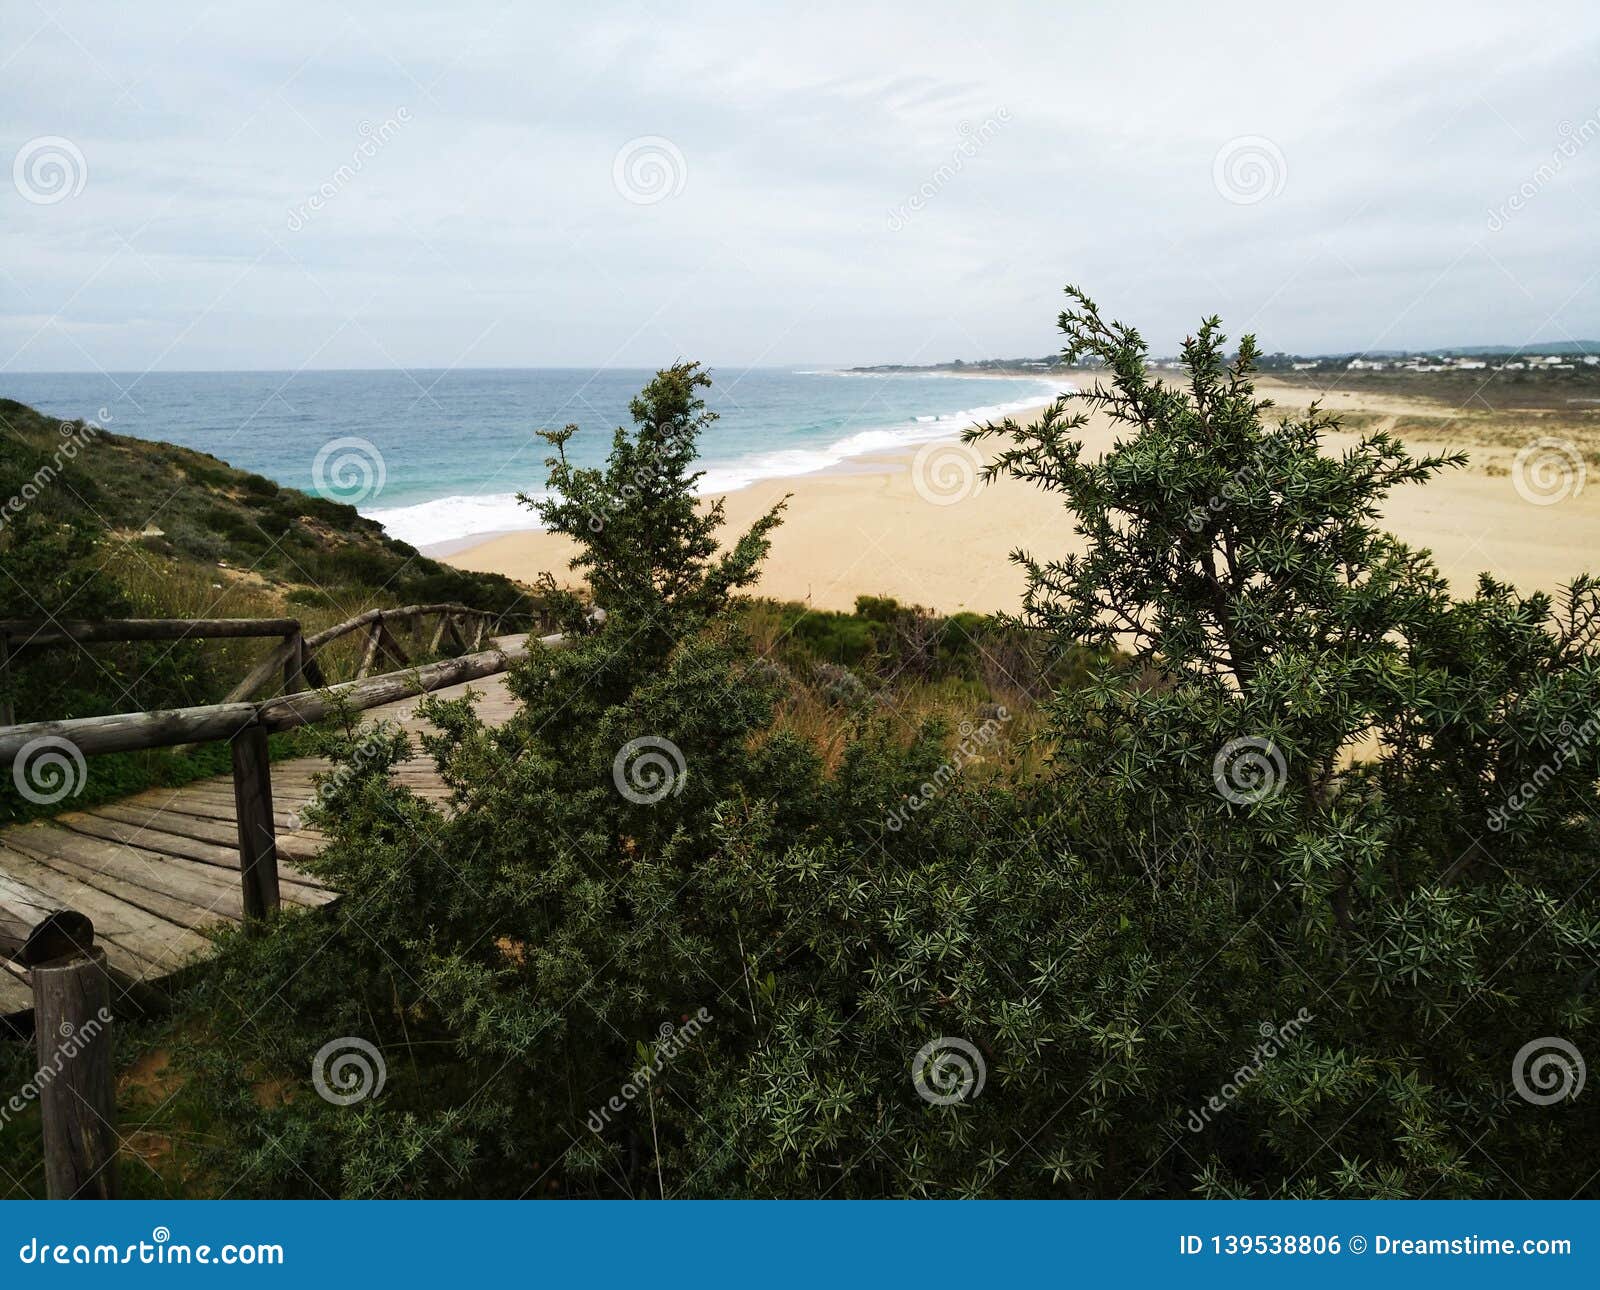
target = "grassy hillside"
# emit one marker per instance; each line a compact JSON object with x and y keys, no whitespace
{"x":97,"y":525}
{"x":190,"y":513}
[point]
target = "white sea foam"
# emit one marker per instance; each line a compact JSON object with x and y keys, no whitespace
{"x":449,"y":519}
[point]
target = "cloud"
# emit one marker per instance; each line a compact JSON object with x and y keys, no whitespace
{"x":241,"y":210}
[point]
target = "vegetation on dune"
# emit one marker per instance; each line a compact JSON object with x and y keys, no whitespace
{"x":97,"y":525}
{"x":1243,"y":860}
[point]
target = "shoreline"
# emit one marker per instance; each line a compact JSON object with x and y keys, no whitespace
{"x":488,"y":515}
{"x":914,"y":523}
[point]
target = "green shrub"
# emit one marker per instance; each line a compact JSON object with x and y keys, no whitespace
{"x":659,"y":946}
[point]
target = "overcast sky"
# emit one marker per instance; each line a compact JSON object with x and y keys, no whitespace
{"x":339,"y":184}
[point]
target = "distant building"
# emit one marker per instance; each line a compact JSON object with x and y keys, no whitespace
{"x":1366,"y":365}
{"x":1306,"y":367}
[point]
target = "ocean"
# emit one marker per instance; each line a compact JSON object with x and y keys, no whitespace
{"x":438,"y":456}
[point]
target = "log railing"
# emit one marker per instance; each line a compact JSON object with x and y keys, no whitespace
{"x":53,"y":950}
{"x":460,"y":629}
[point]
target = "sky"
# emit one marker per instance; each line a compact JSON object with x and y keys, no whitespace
{"x":293,"y":186}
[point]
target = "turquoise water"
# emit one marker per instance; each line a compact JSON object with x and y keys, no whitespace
{"x":440,"y":455}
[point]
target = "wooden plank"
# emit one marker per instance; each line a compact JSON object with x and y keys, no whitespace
{"x":164,"y":846}
{"x":15,"y":997}
{"x":181,"y":824}
{"x":184,"y":892}
{"x":211,"y":804}
{"x":138,"y":943}
{"x":152,"y":845}
{"x":184,"y":898}
{"x":91,"y":856}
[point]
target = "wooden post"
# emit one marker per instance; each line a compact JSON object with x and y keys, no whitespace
{"x":389,"y":645}
{"x":77,"y":1097}
{"x":8,"y":713}
{"x":369,"y":654}
{"x":310,"y":669}
{"x":258,"y":843}
{"x":295,"y":664}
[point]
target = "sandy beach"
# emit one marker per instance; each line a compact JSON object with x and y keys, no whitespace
{"x":916,"y":525}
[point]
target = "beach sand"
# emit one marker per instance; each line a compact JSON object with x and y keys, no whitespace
{"x":914,"y":524}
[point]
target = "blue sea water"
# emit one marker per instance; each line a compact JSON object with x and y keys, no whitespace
{"x":437,"y":456}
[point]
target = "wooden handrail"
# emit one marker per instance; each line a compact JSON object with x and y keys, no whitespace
{"x":294,"y":658}
{"x":399,"y":615}
{"x":27,"y":633}
{"x":136,"y":731}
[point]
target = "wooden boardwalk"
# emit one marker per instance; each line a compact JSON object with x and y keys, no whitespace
{"x":154,"y":870}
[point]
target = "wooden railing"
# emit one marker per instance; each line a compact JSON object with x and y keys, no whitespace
{"x":459,"y":628}
{"x":53,"y":950}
